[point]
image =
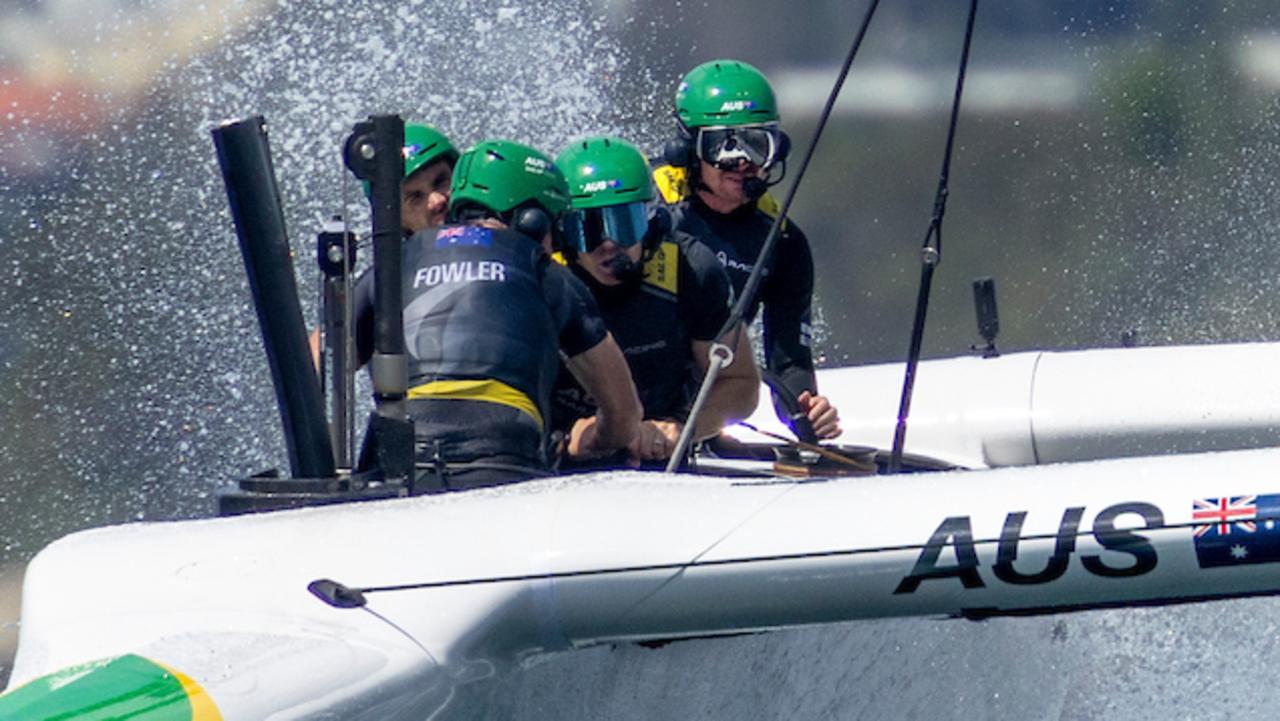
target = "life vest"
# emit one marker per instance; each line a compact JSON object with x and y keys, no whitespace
{"x":476,"y":325}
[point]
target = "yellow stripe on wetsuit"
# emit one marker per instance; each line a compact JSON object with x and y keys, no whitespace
{"x":487,"y":390}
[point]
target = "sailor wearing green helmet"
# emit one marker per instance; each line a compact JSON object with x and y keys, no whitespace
{"x":728,"y":152}
{"x":424,"y":194}
{"x":428,"y":167}
{"x":429,"y":158}
{"x":487,"y":316}
{"x":663,"y":296}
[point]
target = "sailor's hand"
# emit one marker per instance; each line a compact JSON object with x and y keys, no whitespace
{"x":822,"y":415}
{"x":583,"y":442}
{"x":658,"y":439}
{"x":582,"y":439}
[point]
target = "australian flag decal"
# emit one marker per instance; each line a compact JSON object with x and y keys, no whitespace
{"x":1234,"y":530}
{"x":464,"y":235}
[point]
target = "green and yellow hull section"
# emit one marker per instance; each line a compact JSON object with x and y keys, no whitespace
{"x":124,"y":688}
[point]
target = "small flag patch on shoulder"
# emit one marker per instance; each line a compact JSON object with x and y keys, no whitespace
{"x":464,"y":235}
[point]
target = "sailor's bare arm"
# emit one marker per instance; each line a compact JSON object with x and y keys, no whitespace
{"x":603,"y":373}
{"x":736,"y":390}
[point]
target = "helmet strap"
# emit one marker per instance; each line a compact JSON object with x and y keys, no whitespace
{"x":695,"y":179}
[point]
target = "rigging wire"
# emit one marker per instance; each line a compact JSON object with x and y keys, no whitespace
{"x":930,"y":254}
{"x":342,"y":596}
{"x":734,"y":323}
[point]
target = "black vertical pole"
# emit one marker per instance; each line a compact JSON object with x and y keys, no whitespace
{"x":247,"y":170}
{"x":389,"y":362}
{"x":336,"y":253}
{"x":374,"y":152}
{"x":930,"y":254}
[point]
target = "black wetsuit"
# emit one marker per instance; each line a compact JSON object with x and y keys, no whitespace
{"x":486,"y":316}
{"x":786,"y":291}
{"x":684,"y":297}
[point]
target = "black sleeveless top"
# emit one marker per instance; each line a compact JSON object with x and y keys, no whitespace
{"x":483,"y":304}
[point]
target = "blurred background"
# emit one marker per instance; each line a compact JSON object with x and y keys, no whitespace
{"x":1114,"y":171}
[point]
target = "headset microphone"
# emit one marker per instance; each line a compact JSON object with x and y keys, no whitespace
{"x":624,"y":269}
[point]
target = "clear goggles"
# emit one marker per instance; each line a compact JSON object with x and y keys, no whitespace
{"x":727,"y":148}
{"x":589,"y":228}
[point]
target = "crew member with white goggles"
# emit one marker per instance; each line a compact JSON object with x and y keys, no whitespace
{"x":728,"y":153}
{"x":662,"y":295}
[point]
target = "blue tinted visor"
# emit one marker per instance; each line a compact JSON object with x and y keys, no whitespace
{"x":624,"y":224}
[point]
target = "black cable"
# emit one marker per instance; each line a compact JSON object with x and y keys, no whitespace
{"x":930,"y":255}
{"x":352,"y":596}
{"x":753,"y":280}
{"x":678,"y":566}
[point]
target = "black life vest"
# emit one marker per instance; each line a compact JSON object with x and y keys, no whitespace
{"x":474,"y":310}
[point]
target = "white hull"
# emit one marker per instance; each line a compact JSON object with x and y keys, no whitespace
{"x":1045,"y":407}
{"x":225,"y":601}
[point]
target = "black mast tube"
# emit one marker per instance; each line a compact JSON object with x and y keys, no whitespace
{"x":247,"y":170}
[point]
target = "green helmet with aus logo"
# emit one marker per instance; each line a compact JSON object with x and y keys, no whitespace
{"x":605,"y":171}
{"x":424,"y":144}
{"x":725,"y":93}
{"x":501,"y":175}
{"x":609,"y":182}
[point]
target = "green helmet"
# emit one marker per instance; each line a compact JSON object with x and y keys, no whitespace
{"x":610,"y":185}
{"x":423,"y":144}
{"x":725,"y":92}
{"x":501,"y":175}
{"x":605,"y":171}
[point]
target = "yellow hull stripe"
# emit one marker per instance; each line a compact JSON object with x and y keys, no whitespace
{"x":202,"y":706}
{"x":123,"y":688}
